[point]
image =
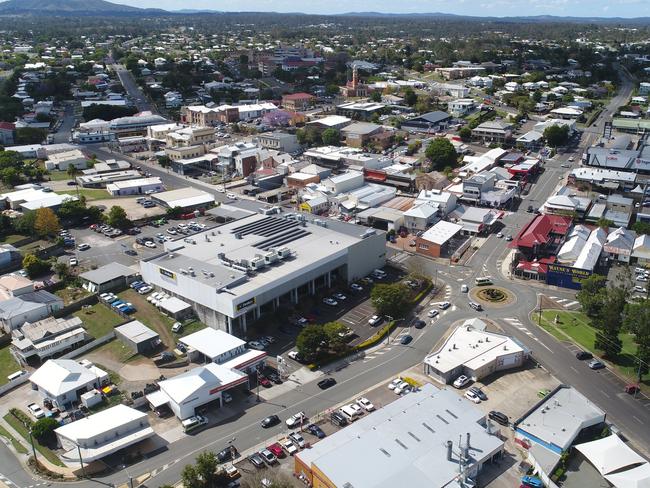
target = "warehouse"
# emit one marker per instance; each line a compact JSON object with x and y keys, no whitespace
{"x":138,"y":337}
{"x":217,"y":346}
{"x":252,"y":265}
{"x":429,"y":438}
{"x":138,"y":186}
{"x":185,"y":198}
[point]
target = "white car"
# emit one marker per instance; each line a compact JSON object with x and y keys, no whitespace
{"x":444,"y":305}
{"x":297,"y":439}
{"x":403,"y":387}
{"x":461,"y":381}
{"x":73,"y":262}
{"x":154,"y":296}
{"x":340,"y":296}
{"x":177,"y":327}
{"x":83,"y":247}
{"x":374,"y":320}
{"x":464,"y":288}
{"x":364,"y":403}
{"x":356,"y":408}
{"x":145,"y":289}
{"x":296,"y":419}
{"x":640,"y":270}
{"x":500,"y":235}
{"x":330,"y":301}
{"x":293,"y":355}
{"x":472,"y":397}
{"x":432,"y":313}
{"x":393,"y":384}
{"x":231,"y":195}
{"x":36,"y":411}
{"x":641,"y":278}
{"x":356,"y":287}
{"x":640,"y":289}
{"x":288,"y":446}
{"x":150,"y":244}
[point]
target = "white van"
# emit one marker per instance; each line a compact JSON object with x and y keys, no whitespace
{"x":349,"y":413}
{"x":194,"y":423}
{"x":378,"y":273}
{"x":15,"y":376}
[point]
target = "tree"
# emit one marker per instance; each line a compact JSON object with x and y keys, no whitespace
{"x":309,"y":341}
{"x":174,"y":212}
{"x":34,"y":265}
{"x":30,"y":135}
{"x":331,"y":137}
{"x":25,"y":223}
{"x":390,"y":299}
{"x":608,"y":341}
{"x":604,"y":223}
{"x":590,"y":295}
{"x":465,"y":134}
{"x":332,"y":330}
{"x":410,"y":97}
{"x":441,"y":153}
{"x":62,"y":270}
{"x":43,"y":429}
{"x":636,"y":319}
{"x":206,"y":467}
{"x":556,"y":135}
{"x":117,"y":217}
{"x":609,"y":321}
{"x":72,"y":171}
{"x":375,"y":96}
{"x":46,"y":223}
{"x":190,"y":477}
{"x":107,"y":112}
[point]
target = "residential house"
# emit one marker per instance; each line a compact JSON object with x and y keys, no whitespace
{"x":27,"y":306}
{"x":461,"y":106}
{"x":46,"y":338}
{"x":620,"y":244}
{"x":429,"y":122}
{"x":361,"y":134}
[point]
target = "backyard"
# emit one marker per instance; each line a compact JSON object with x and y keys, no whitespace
{"x":576,"y":327}
{"x":98,"y":319}
{"x":8,"y":364}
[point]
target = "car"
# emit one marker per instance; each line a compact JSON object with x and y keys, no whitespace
{"x":464,"y":288}
{"x":530,"y":209}
{"x":444,"y":305}
{"x":71,"y":183}
{"x":532,"y":482}
{"x":632,"y":389}
{"x":315,"y":430}
{"x":500,"y":235}
{"x":596,"y":364}
{"x":83,"y":247}
{"x":36,"y":410}
{"x":340,"y":296}
{"x":326,"y":383}
{"x":461,"y":381}
{"x":432,"y":313}
{"x":74,"y":262}
{"x":226,"y":454}
{"x":172,"y":232}
{"x":177,"y":327}
{"x":148,"y":204}
{"x":337,"y":418}
{"x":330,"y":301}
{"x":498,"y":417}
{"x":641,"y":278}
{"x":571,"y":159}
{"x":476,"y":306}
{"x":472,"y":397}
{"x":640,"y":289}
{"x":264,"y":381}
{"x":393,"y":384}
{"x":293,"y":355}
{"x":418,"y":324}
{"x":268,"y":456}
{"x":479,"y":393}
{"x":582,"y":355}
{"x":356,"y":287}
{"x":508,"y":238}
{"x":289,"y":446}
{"x":256,"y":460}
{"x":150,"y":244}
{"x":231,"y":196}
{"x":296,"y":419}
{"x":276,"y":449}
{"x":406,"y":339}
{"x":145,"y":289}
{"x":640,"y":270}
{"x":226,"y":397}
{"x":297,"y":439}
{"x":366,"y":404}
{"x":256,"y":345}
{"x":403,"y":387}
{"x":270,"y":421}
{"x":374,"y":320}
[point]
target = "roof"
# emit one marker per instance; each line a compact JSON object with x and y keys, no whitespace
{"x":430,"y":117}
{"x":25,"y":302}
{"x":561,"y":415}
{"x":331,"y":120}
{"x":136,"y":331}
{"x":49,"y":326}
{"x":539,"y":230}
{"x":399,"y":443}
{"x":212,"y":376}
{"x":59,"y":376}
{"x":609,"y":454}
{"x":297,"y":96}
{"x":212,"y":342}
{"x":642,"y":247}
{"x":441,"y":232}
{"x":361,"y":128}
{"x":102,"y":422}
{"x":107,"y":273}
{"x":185,"y":197}
{"x":469,"y":346}
{"x":638,"y":477}
{"x":118,"y":185}
{"x":173,"y":305}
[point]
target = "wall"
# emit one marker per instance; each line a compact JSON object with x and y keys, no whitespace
{"x":91,"y":345}
{"x":366,"y":255}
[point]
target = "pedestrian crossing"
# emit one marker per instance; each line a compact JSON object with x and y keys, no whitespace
{"x":567,"y":303}
{"x":517,"y":324}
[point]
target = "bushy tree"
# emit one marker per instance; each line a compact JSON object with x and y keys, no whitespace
{"x":117,"y":217}
{"x":556,"y":135}
{"x":46,"y":223}
{"x":591,"y":293}
{"x":410,"y":97}
{"x":34,"y":265}
{"x":390,"y":299}
{"x":331,"y":137}
{"x":465,"y":134}
{"x":43,"y":429}
{"x":441,"y":153}
{"x":309,"y":341}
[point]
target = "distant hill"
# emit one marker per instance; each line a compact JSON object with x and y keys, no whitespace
{"x":70,"y":7}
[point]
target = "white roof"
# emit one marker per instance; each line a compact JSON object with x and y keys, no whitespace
{"x":213,"y":376}
{"x":331,"y":120}
{"x":185,"y":197}
{"x":99,"y":423}
{"x":609,"y":454}
{"x":119,"y":185}
{"x":638,"y":477}
{"x":212,"y":342}
{"x":137,"y":331}
{"x":59,"y":376}
{"x":441,"y":232}
{"x":471,"y":347}
{"x":642,"y":247}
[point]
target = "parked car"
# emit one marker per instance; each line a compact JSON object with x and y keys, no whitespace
{"x":268,"y":456}
{"x":297,"y":439}
{"x":36,"y":410}
{"x":498,"y":417}
{"x":356,"y":287}
{"x":432,"y":313}
{"x":340,"y":296}
{"x":364,"y":403}
{"x":74,"y":262}
{"x":330,"y":301}
{"x":177,"y":327}
{"x":532,"y":482}
{"x":276,"y":449}
{"x":374,"y":320}
{"x":296,"y":419}
{"x":326,"y":383}
{"x":315,"y":430}
{"x":150,"y":244}
{"x":461,"y":381}
{"x":583,"y":355}
{"x":479,"y":393}
{"x":83,"y":247}
{"x":393,"y":384}
{"x":226,"y":454}
{"x":596,"y":364}
{"x":270,"y":421}
{"x":289,"y":446}
{"x":403,"y":387}
{"x":256,"y":460}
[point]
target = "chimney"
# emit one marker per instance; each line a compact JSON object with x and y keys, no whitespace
{"x":468,"y":439}
{"x":449,"y":450}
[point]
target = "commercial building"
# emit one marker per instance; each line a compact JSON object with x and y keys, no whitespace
{"x":103,"y":433}
{"x":330,"y":122}
{"x":429,"y":122}
{"x":63,"y":380}
{"x":138,"y":337}
{"x":297,"y":101}
{"x":63,"y":160}
{"x":360,"y":110}
{"x":27,"y":305}
{"x":474,"y":352}
{"x":103,"y":179}
{"x":435,"y":241}
{"x":360,"y":134}
{"x":32,"y":198}
{"x":496,"y":131}
{"x":46,"y":338}
{"x":280,"y":141}
{"x":139,"y":186}
{"x":188,"y":198}
{"x":411,"y":442}
{"x":542,"y":236}
{"x":256,"y":262}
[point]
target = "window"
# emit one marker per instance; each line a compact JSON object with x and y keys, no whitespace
{"x":424,"y":247}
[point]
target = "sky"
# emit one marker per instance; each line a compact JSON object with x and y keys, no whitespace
{"x":497,"y":8}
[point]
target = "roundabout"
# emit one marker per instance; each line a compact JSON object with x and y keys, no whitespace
{"x":493,"y":296}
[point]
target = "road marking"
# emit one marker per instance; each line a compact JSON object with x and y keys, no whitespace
{"x":605,"y":394}
{"x":575,"y":370}
{"x":637,"y":419}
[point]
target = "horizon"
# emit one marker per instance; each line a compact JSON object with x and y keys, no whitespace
{"x":474,"y":8}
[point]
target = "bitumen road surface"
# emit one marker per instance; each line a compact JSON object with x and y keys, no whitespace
{"x":133,"y":90}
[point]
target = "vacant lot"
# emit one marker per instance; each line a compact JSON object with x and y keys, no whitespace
{"x":99,"y":320}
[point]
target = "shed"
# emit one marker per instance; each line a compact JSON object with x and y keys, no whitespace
{"x":140,"y":338}
{"x":177,"y":308}
{"x":112,"y":276}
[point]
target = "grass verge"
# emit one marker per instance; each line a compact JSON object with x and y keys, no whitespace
{"x":14,"y":442}
{"x":45,"y":451}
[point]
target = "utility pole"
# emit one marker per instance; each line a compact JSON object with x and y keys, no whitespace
{"x":81,"y":461}
{"x":31,"y":440}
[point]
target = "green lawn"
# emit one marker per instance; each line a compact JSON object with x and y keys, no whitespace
{"x":34,"y":246}
{"x":14,"y":442}
{"x":576,"y":326}
{"x":90,"y":193}
{"x":99,"y":320}
{"x":8,"y":364}
{"x":70,"y":295}
{"x":11,"y":238}
{"x":191,"y":327}
{"x":44,"y":451}
{"x":150,"y":316}
{"x":118,"y":350}
{"x":59,"y":175}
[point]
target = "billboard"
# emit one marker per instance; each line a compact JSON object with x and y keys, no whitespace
{"x":566,"y":276}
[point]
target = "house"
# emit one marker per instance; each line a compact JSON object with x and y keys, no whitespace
{"x":112,"y":276}
{"x":619,"y":210}
{"x":46,"y":338}
{"x":297,"y":102}
{"x":104,"y":433}
{"x":472,"y":351}
{"x":435,"y":241}
{"x":360,"y":134}
{"x":7,"y":131}
{"x":531,"y":140}
{"x":33,"y":198}
{"x":429,"y":122}
{"x":567,"y":113}
{"x":496,"y":131}
{"x":619,"y":244}
{"x":421,"y":217}
{"x":138,"y":186}
{"x":28,"y":306}
{"x":64,"y":380}
{"x":315,"y":205}
{"x":461,"y":106}
{"x":138,"y":337}
{"x":476,"y":220}
{"x":641,"y":249}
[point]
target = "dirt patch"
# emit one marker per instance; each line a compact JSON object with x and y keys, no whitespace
{"x":134,"y":211}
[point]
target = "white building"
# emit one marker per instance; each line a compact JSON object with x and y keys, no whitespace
{"x":186,"y":198}
{"x":139,"y":186}
{"x":446,"y":201}
{"x":461,"y":106}
{"x":33,"y":199}
{"x":46,"y":338}
{"x":62,"y":161}
{"x":422,"y":216}
{"x":103,"y":433}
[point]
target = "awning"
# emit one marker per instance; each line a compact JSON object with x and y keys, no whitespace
{"x":638,"y":477}
{"x":157,"y":398}
{"x":609,"y":454}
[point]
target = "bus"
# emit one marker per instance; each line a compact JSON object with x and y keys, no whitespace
{"x":485,"y":280}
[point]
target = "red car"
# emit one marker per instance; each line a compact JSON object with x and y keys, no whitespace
{"x":276,"y":449}
{"x":265,"y":382}
{"x":632,"y":389}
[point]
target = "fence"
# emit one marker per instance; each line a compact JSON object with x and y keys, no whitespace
{"x":76,"y":305}
{"x":91,"y":345}
{"x":13,"y":384}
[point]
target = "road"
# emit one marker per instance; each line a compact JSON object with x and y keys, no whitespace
{"x":133,"y":90}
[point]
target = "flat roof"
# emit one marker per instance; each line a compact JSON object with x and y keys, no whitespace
{"x":398,"y":444}
{"x":212,"y":342}
{"x":100,"y":423}
{"x":441,"y":232}
{"x":184,"y":197}
{"x":154,"y":180}
{"x":213,"y":376}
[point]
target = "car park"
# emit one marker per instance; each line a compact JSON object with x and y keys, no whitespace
{"x":256,"y":460}
{"x":472,"y":397}
{"x":461,"y":381}
{"x":340,"y":296}
{"x":338,"y":419}
{"x":150,"y":244}
{"x":74,"y":262}
{"x":296,"y":419}
{"x":366,"y":404}
{"x":326,"y":383}
{"x":498,"y":417}
{"x":403,"y":387}
{"x":297,"y":439}
{"x":270,"y":421}
{"x":315,"y":430}
{"x":276,"y":449}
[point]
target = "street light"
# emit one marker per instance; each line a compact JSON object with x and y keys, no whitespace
{"x":31,"y":440}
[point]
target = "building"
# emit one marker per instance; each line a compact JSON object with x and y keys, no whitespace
{"x":63,"y":160}
{"x":46,"y":338}
{"x":476,"y":220}
{"x":135,"y":125}
{"x":496,"y":131}
{"x":461,"y":72}
{"x":604,"y":178}
{"x":354,"y":88}
{"x":429,"y":122}
{"x":472,"y":351}
{"x":620,"y":244}
{"x":641,"y":250}
{"x":188,"y":199}
{"x":297,"y":102}
{"x":360,"y":110}
{"x":279,"y":141}
{"x":138,"y":337}
{"x":542,"y":236}
{"x":401,"y":442}
{"x":360,"y":134}
{"x":461,"y":106}
{"x":103,"y":179}
{"x":631,"y":160}
{"x":139,"y":186}
{"x":259,"y":262}
{"x":446,"y":201}
{"x":421,"y":217}
{"x":330,"y":122}
{"x":435,"y":241}
{"x":217,"y":346}
{"x":63,"y":380}
{"x":103,"y":433}
{"x":32,"y":199}
{"x":7,"y":131}
{"x":27,"y":305}
{"x":113,"y":276}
